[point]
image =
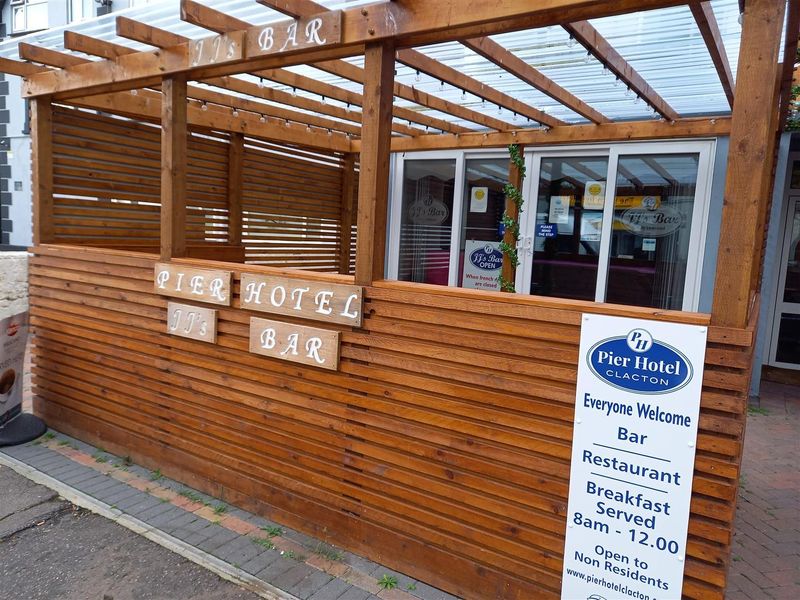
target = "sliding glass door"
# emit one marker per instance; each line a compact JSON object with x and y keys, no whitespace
{"x":622,"y":224}
{"x":634,"y":241}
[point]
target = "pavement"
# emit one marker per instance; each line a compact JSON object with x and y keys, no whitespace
{"x":278,"y":563}
{"x":50,"y":548}
{"x":766,"y":544}
{"x":265,"y":558}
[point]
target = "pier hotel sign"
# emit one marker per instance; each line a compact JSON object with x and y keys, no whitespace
{"x":636,"y":411}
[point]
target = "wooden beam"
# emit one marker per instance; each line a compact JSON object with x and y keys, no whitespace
{"x":51,"y":58}
{"x":293,"y":8}
{"x":507,"y":60}
{"x":749,"y":170}
{"x":174,"y":132}
{"x":147,"y":34}
{"x":418,"y":60}
{"x":209,"y":18}
{"x":568,"y":134}
{"x":327,"y":90}
{"x":406,"y":22}
{"x":279,"y":96}
{"x":349,"y":71}
{"x":707,"y":23}
{"x":346,"y":224}
{"x":146,"y":105}
{"x":235,"y":164}
{"x":42,"y":162}
{"x":236,"y":102}
{"x":373,"y":182}
{"x":509,"y":270}
{"x":78,"y":42}
{"x":595,"y":43}
{"x":19,"y":68}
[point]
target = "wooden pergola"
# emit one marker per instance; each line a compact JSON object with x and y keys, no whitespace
{"x":186,"y":85}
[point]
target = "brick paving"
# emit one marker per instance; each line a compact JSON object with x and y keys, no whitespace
{"x":300,"y":566}
{"x":766,"y":543}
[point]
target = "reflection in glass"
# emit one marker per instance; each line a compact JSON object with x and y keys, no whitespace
{"x":569,"y":220}
{"x":652,"y":224}
{"x":484,"y":204}
{"x":788,"y":350}
{"x":791,"y":288}
{"x":426,"y":221}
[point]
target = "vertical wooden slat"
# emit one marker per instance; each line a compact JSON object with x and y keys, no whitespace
{"x":373,"y":186}
{"x":749,"y":165}
{"x":42,"y":157}
{"x":173,"y":167}
{"x":515,"y":179}
{"x":235,"y":162}
{"x":346,"y":233}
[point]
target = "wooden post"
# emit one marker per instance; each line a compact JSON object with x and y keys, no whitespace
{"x":346,"y":233}
{"x":749,"y":163}
{"x":173,"y":167}
{"x":509,"y":271}
{"x":373,"y":183}
{"x":235,"y":165}
{"x":42,"y":158}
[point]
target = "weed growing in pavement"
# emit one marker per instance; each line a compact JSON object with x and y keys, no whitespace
{"x":219,"y":509}
{"x":328,"y":552}
{"x":193,"y":496}
{"x":63,"y":442}
{"x":48,"y":436}
{"x":757,"y":410}
{"x":387,"y":582}
{"x":292,"y":554}
{"x":264,"y":543}
{"x":99,"y":457}
{"x":272,"y":530}
{"x":411,"y":586}
{"x":156,"y":475}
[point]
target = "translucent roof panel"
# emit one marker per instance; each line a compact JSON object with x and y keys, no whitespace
{"x":664,"y":46}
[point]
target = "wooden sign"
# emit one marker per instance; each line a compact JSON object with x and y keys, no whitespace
{"x":217,"y":49}
{"x":193,"y":322}
{"x":295,"y":343}
{"x":202,"y":285}
{"x":287,"y":36}
{"x":330,"y":302}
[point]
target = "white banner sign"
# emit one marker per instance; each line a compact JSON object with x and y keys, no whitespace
{"x":13,"y":338}
{"x":636,"y":412}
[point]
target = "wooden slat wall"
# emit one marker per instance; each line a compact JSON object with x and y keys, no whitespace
{"x":441,"y":448}
{"x":106,"y":181}
{"x":292,"y":206}
{"x":107,"y":192}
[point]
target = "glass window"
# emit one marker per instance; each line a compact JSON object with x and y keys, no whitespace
{"x":81,"y":9}
{"x":653,"y":208}
{"x":29,"y":15}
{"x":788,"y":348}
{"x":791,"y":283}
{"x":569,"y":222}
{"x":484,"y":202}
{"x":426,"y":221}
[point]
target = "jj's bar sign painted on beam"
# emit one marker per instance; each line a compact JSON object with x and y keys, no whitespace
{"x":287,"y":36}
{"x":636,"y":411}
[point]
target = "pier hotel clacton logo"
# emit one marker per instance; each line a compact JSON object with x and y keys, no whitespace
{"x":638,"y":363}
